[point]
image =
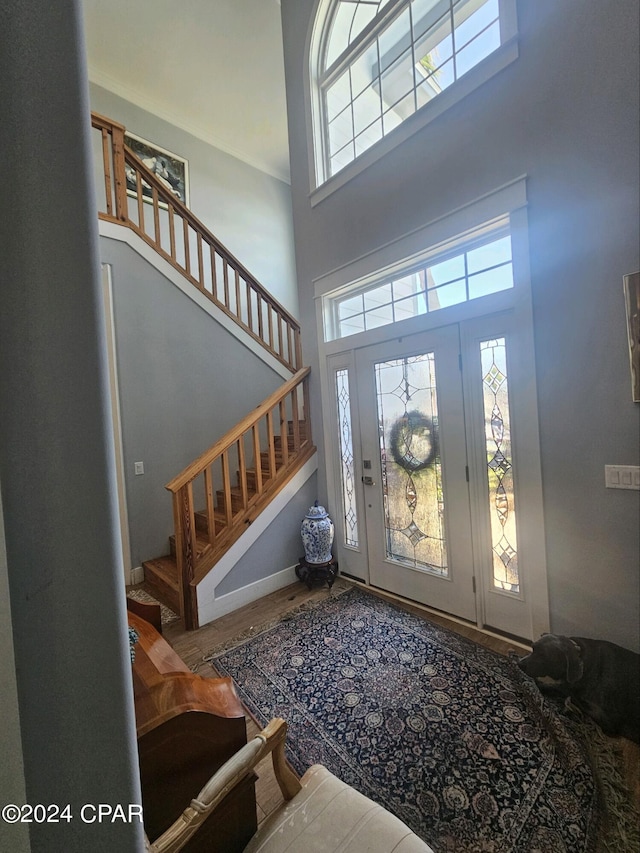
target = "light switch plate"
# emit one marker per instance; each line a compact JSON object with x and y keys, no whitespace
{"x":138,"y":468}
{"x":622,"y":477}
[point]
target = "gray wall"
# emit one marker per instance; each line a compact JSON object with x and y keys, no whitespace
{"x":72,"y":666}
{"x":566,"y":114}
{"x":279,"y":547}
{"x":246,"y":209}
{"x":183,"y":381}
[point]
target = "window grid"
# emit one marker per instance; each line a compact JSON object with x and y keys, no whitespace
{"x":344,"y":138}
{"x":415,"y":290}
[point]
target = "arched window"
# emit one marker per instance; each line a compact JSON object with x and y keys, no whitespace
{"x":376,"y":63}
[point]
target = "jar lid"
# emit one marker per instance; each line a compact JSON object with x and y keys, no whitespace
{"x":316,"y":511}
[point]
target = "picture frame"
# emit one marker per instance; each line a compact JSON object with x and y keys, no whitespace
{"x":170,"y":168}
{"x":632,"y":306}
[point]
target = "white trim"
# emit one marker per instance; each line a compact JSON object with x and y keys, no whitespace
{"x":136,"y":576}
{"x":208,"y":604}
{"x":152,"y":106}
{"x":113,"y":231}
{"x":116,"y":421}
{"x":412,"y":245}
{"x":246,"y":595}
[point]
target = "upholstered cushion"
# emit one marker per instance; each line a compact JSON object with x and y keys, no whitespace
{"x":328,"y":815}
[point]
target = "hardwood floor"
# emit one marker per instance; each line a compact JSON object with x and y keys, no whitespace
{"x":192,"y":646}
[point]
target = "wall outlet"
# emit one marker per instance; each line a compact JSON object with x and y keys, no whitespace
{"x":622,"y":477}
{"x":138,"y":468}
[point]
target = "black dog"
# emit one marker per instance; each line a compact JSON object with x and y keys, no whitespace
{"x":601,"y":678}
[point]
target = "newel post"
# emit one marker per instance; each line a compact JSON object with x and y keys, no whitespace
{"x":185,"y":531}
{"x":119,"y":175}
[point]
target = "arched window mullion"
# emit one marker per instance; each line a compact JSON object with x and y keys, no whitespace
{"x":355,"y":48}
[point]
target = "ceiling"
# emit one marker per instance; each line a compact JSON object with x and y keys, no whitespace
{"x":213,"y":67}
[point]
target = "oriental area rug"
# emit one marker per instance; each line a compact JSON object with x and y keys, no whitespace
{"x":449,"y":736}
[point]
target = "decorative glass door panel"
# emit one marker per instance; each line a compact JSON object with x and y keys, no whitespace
{"x":410,"y":464}
{"x":504,"y":540}
{"x":414,"y":470}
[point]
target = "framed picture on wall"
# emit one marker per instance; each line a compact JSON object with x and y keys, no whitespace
{"x":632,"y":303}
{"x":170,"y":169}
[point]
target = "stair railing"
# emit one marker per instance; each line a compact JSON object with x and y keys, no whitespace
{"x":130,"y":194}
{"x":260,"y":454}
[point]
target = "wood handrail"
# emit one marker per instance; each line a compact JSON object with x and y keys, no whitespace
{"x":234,"y":480}
{"x":229,"y":439}
{"x":244,"y":299}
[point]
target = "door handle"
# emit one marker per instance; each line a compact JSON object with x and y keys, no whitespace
{"x":368,"y":481}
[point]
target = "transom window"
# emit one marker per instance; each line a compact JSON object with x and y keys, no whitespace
{"x":383,"y":60}
{"x":480,"y":267}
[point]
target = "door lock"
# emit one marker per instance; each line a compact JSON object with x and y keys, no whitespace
{"x":368,"y":481}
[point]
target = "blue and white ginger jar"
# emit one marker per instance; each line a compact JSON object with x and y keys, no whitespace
{"x":317,"y":535}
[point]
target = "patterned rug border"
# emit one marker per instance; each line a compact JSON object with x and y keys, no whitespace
{"x":619,"y":827}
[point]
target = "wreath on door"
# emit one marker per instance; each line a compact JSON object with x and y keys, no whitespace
{"x":413,"y":442}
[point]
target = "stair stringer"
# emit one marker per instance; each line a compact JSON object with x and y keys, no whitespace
{"x":124,"y":234}
{"x":212,"y":607}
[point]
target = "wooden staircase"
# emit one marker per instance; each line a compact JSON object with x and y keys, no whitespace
{"x":277,"y":441}
{"x":270,"y":445}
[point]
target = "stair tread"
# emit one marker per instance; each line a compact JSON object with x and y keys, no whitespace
{"x":165,"y":567}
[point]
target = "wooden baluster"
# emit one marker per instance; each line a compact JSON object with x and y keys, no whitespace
{"x":187,"y":250}
{"x":225,"y":270}
{"x":172,"y":234}
{"x":242,"y":472}
{"x":298,"y":349}
{"x":257,"y":458}
{"x":249,"y":305}
{"x":279,"y":318}
{"x":259,"y":301}
{"x":270,"y":317}
{"x":238,"y":308}
{"x":226,"y":485}
{"x":140,"y":199}
{"x":208,"y":489}
{"x":271,"y":449}
{"x":200,"y":261}
{"x":156,"y":216}
{"x":284,"y":432}
{"x":214,"y":274}
{"x":185,"y":531}
{"x":290,"y":357}
{"x":296,"y":419}
{"x":119,"y":173}
{"x":106,"y":164}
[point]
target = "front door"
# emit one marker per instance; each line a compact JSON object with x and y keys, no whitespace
{"x":436,"y":472}
{"x":414,"y":470}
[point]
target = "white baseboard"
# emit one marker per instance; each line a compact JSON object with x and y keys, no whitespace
{"x":215,"y":608}
{"x":136,"y":575}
